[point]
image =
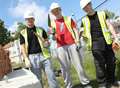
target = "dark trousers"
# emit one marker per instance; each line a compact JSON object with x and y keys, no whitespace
{"x":105,"y":66}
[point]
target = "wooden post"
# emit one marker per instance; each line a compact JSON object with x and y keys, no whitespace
{"x":5,"y":65}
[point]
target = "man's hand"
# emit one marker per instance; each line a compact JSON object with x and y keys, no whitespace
{"x":27,"y":62}
{"x":46,"y":44}
{"x":115,"y":46}
{"x":116,"y":43}
{"x":78,"y":46}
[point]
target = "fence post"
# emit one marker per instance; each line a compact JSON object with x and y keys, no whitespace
{"x":5,"y":64}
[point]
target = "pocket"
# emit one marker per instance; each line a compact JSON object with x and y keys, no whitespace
{"x":99,"y":44}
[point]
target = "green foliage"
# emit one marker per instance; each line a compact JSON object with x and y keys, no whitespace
{"x":21,"y":26}
{"x":110,"y":14}
{"x":117,"y":17}
{"x":89,"y":68}
{"x":4,"y":34}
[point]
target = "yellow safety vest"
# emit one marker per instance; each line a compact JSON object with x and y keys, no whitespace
{"x":105,"y":30}
{"x":67,"y":21}
{"x":45,"y":51}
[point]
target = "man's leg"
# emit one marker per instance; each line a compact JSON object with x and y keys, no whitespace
{"x":36,"y":68}
{"x":65,"y":65}
{"x":77,"y":63}
{"x":99,"y":61}
{"x":50,"y":74}
{"x":110,"y":66}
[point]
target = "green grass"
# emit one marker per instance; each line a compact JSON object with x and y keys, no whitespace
{"x":89,"y":67}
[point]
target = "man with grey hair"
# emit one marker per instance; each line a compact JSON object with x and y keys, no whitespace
{"x":34,"y":47}
{"x":68,"y":45}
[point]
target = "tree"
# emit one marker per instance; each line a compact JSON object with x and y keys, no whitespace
{"x":4,"y":34}
{"x":117,"y":17}
{"x":110,"y":14}
{"x":20,"y":27}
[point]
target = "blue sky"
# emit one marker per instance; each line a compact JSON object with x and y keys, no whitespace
{"x":12,"y":10}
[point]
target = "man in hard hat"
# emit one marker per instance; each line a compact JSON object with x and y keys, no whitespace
{"x":34,"y":45}
{"x":68,"y":44}
{"x":97,"y":32}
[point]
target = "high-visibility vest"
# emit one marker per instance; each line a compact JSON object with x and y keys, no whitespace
{"x":105,"y":30}
{"x":67,"y":21}
{"x":45,"y":51}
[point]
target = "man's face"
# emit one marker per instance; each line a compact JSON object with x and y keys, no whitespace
{"x":88,"y":8}
{"x":56,"y":11}
{"x":30,"y":22}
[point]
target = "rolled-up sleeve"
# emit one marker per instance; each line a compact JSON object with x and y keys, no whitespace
{"x":22,"y":40}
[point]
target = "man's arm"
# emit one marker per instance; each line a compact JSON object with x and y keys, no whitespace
{"x":45,"y":37}
{"x":22,"y":46}
{"x":44,"y":34}
{"x":74,"y":26}
{"x":23,"y":50}
{"x":24,"y":53}
{"x":111,"y":28}
{"x":81,"y":30}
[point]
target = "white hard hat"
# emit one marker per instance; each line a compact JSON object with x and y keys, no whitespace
{"x":118,"y":19}
{"x":29,"y":14}
{"x":83,"y":3}
{"x":54,"y":5}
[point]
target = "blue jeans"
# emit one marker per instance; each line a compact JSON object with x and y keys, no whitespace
{"x":38,"y":63}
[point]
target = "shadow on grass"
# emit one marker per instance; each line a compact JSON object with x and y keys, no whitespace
{"x":93,"y":84}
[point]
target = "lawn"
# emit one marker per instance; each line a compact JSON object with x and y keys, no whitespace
{"x":89,"y":69}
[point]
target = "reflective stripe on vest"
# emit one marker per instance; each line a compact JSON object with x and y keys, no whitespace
{"x":105,"y":30}
{"x":67,"y":21}
{"x":45,"y":51}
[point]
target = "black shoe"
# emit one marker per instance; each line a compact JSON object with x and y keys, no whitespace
{"x":115,"y":85}
{"x":112,"y":85}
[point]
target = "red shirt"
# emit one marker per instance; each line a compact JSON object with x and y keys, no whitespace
{"x":63,"y":36}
